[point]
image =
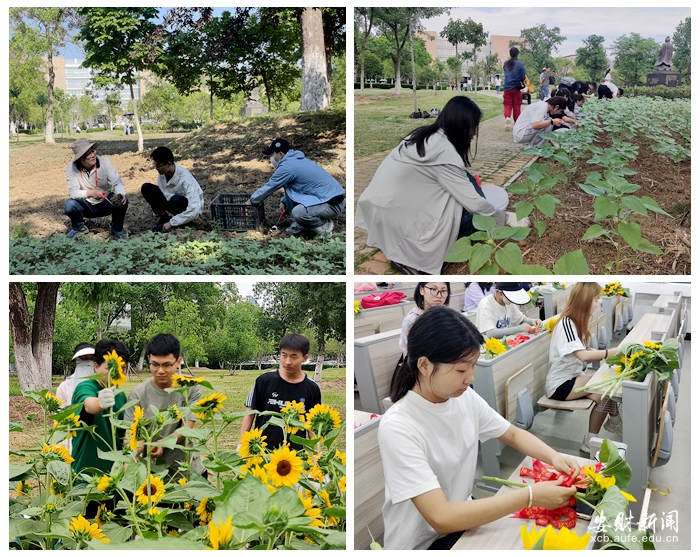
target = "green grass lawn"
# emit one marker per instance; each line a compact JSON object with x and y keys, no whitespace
{"x":236,"y":388}
{"x":381,"y":118}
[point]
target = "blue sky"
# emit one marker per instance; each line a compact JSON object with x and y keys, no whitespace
{"x":575,"y":23}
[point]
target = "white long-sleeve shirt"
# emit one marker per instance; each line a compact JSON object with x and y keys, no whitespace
{"x":103,"y":176}
{"x":183,"y":183}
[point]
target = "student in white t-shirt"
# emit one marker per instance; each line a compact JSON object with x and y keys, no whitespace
{"x":498,"y":315}
{"x":538,"y":118}
{"x":429,"y":441}
{"x":568,"y":351}
{"x":426,"y":295}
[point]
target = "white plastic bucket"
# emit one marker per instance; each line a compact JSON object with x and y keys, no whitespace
{"x":496,"y":195}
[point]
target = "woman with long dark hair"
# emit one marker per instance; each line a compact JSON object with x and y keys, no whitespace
{"x":475,"y":292}
{"x":427,"y":295}
{"x":568,"y":350}
{"x":422,"y":197}
{"x":429,"y":441}
{"x":512,"y":85}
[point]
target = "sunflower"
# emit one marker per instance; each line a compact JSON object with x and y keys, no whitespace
{"x":220,"y":534}
{"x":22,"y":487}
{"x":50,"y":508}
{"x":205,"y":509}
{"x":564,"y":539}
{"x":183,"y":381}
{"x":323,"y":496}
{"x":174,"y":412}
{"x":357,"y":308}
{"x":530,"y":537}
{"x":652,"y":345}
{"x":322,"y":419}
{"x":294,"y":411}
{"x":551,"y":323}
{"x":81,"y":529}
{"x":212,"y":404}
{"x":341,"y":484}
{"x":52,"y":403}
{"x":314,"y":513}
{"x":341,"y":456}
{"x":134,"y":428}
{"x":316,"y":473}
{"x":182,"y":481}
{"x":494,"y":347}
{"x":253,"y":446}
{"x":152,"y":485}
{"x":284,"y":468}
{"x":115,"y":365}
{"x":71,"y":422}
{"x":103,"y":515}
{"x":106,"y":484}
{"x":632,"y":357}
{"x":56,"y":452}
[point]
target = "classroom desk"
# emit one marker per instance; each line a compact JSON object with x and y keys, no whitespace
{"x":504,"y":533}
{"x":664,"y":300}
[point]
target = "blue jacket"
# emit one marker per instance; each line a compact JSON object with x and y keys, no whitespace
{"x":515,"y":77}
{"x":303,"y":181}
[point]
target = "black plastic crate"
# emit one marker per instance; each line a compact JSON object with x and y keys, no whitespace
{"x":231,"y":212}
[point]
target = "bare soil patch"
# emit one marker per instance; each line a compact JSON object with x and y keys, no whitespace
{"x":223,"y":157}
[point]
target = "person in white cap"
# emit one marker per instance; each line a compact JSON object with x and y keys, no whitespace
{"x":498,"y":315}
{"x":95,"y":190}
{"x":83,"y":356}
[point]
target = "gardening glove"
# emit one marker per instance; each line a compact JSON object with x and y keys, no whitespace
{"x":512,"y":220}
{"x":106,"y":398}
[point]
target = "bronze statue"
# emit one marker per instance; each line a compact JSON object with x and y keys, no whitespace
{"x":665,"y":55}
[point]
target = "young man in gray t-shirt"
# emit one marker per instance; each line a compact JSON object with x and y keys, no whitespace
{"x":164,"y":360}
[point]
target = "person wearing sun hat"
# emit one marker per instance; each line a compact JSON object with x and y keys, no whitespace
{"x":312,"y":197}
{"x":498,"y":315}
{"x":83,"y":356}
{"x":95,"y":190}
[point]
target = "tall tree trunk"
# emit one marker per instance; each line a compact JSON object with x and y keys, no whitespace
{"x":142,"y":355}
{"x":211,"y":97}
{"x":397,"y":68}
{"x":33,"y":344}
{"x":48,"y":131}
{"x":318,"y":372}
{"x":315,"y":89}
{"x":136,"y":118}
{"x":413,"y":63}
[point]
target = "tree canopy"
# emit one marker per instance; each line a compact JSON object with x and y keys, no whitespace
{"x":634,"y":58}
{"x":592,"y":58}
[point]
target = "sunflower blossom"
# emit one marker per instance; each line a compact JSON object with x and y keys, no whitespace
{"x":205,"y":509}
{"x":284,"y":468}
{"x":551,"y":323}
{"x":564,"y":539}
{"x":134,"y":428}
{"x":323,"y":496}
{"x":253,"y":446}
{"x":294,"y":411}
{"x":56,"y":452}
{"x":81,"y":529}
{"x":494,"y":347}
{"x":341,"y":456}
{"x":72,"y":422}
{"x":103,"y":515}
{"x":652,"y":345}
{"x":341,"y":484}
{"x":174,"y":412}
{"x":220,"y":534}
{"x":115,"y":365}
{"x":52,"y":403}
{"x":314,"y":513}
{"x":22,"y":488}
{"x":530,"y":537}
{"x":322,"y":419}
{"x":106,"y":484}
{"x":184,"y":381}
{"x":152,"y":485}
{"x":212,"y":404}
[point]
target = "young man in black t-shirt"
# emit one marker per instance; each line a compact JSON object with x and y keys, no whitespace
{"x":272,"y":390}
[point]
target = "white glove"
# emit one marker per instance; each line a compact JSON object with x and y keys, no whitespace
{"x":512,"y":220}
{"x":106,"y":398}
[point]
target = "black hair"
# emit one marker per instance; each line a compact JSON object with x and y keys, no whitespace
{"x":420,"y":299}
{"x":559,"y":102}
{"x":608,"y":71}
{"x":578,"y":97}
{"x":83,"y":345}
{"x":595,"y":85}
{"x":620,"y":91}
{"x":162,"y":155}
{"x":568,"y":94}
{"x":510,"y":63}
{"x":295,"y":342}
{"x":105,"y":346}
{"x":459,"y":120}
{"x":483,"y":285}
{"x":163,"y":344}
{"x":442,"y":335}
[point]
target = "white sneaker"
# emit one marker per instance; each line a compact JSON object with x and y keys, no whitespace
{"x":612,"y":427}
{"x":509,"y":124}
{"x":324,"y":231}
{"x":584,"y":446}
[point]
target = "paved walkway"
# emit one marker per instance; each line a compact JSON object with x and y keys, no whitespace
{"x":497,"y":160}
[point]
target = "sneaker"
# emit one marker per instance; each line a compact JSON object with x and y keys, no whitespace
{"x":612,"y":427}
{"x":158,"y":227}
{"x":324,"y":231}
{"x":120,"y":234}
{"x":82,"y":229}
{"x":294,"y":228}
{"x":509,"y":124}
{"x":405,"y":269}
{"x":584,"y":446}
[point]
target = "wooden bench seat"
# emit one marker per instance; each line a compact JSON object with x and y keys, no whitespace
{"x":578,"y":404}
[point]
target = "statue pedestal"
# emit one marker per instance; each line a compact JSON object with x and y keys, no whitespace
{"x":668,"y":78}
{"x":252,"y":108}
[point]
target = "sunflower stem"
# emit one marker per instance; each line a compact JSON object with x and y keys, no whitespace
{"x":130,"y":506}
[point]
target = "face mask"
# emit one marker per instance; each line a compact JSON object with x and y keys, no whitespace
{"x":274,"y":162}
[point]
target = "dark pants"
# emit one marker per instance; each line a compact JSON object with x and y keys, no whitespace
{"x":465,"y":226}
{"x":79,"y":209}
{"x":313,"y":216}
{"x":446,"y":542}
{"x":155,"y":198}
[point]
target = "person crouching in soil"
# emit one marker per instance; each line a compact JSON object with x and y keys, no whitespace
{"x":176,"y":198}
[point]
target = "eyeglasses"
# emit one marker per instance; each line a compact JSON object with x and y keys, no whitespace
{"x":89,"y":152}
{"x":165,"y":367}
{"x":437,"y":293}
{"x":159,"y":164}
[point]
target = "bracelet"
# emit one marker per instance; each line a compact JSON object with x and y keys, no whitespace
{"x":529,"y":488}
{"x":606,"y":354}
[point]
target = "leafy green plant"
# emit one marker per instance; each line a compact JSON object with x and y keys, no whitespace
{"x":536,"y":187}
{"x":615,"y":205}
{"x":490,"y":249}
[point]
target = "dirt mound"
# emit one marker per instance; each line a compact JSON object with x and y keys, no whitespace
{"x":223,"y":157}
